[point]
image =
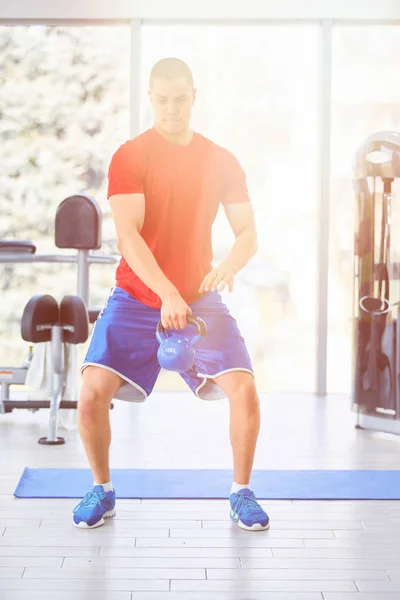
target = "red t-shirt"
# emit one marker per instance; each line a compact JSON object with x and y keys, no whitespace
{"x":183,"y":188}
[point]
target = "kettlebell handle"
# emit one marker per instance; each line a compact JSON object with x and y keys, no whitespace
{"x":201,"y":326}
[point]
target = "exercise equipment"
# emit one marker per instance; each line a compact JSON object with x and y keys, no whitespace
{"x":58,"y":327}
{"x":276,"y":484}
{"x":43,"y":320}
{"x":376,"y":332}
{"x":176,"y":351}
{"x":77,"y":227}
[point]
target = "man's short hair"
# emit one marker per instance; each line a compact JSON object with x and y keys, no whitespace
{"x":171,"y":68}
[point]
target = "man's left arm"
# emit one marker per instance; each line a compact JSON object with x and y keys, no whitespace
{"x":241,"y":219}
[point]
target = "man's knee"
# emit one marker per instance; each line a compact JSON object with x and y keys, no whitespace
{"x":92,"y":401}
{"x":246,"y":391}
{"x":99,"y":387}
{"x":239,"y":386}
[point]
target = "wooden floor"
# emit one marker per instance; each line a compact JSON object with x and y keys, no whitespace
{"x":170,"y":550}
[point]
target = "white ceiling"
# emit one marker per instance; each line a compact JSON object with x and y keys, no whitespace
{"x":360,"y":10}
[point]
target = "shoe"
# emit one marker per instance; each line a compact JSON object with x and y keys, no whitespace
{"x":96,"y":505}
{"x":246,"y":512}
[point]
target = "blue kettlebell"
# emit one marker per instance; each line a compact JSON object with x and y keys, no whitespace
{"x":176,"y":351}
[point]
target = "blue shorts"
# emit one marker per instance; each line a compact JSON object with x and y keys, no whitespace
{"x":124,"y":341}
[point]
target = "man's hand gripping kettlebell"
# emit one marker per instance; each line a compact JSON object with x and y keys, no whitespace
{"x":174,"y":310}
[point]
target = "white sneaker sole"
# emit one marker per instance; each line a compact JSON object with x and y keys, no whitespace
{"x":254,"y":527}
{"x":107,"y":515}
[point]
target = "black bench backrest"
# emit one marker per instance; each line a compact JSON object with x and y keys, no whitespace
{"x":78,"y":223}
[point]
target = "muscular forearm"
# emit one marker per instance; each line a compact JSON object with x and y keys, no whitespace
{"x":243,"y":250}
{"x":141,"y":260}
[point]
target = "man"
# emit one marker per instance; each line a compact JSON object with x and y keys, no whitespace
{"x":165,"y":187}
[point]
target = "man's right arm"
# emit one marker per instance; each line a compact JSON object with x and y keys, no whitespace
{"x":128,"y":212}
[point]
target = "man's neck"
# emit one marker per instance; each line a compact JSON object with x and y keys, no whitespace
{"x":181,"y":139}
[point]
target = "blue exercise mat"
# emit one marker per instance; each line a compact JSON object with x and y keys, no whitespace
{"x":214,"y":484}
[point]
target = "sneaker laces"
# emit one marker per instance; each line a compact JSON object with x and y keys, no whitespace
{"x":249,"y":503}
{"x":91,"y":499}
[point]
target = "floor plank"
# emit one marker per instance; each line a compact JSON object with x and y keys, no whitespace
{"x":189,"y":549}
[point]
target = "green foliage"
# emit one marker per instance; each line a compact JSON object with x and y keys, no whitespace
{"x":64,"y":110}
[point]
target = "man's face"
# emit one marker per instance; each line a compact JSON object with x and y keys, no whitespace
{"x":172,"y":101}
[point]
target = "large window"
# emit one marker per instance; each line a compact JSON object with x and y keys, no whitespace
{"x":365,"y":100}
{"x":257,"y":95}
{"x":64,"y":107}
